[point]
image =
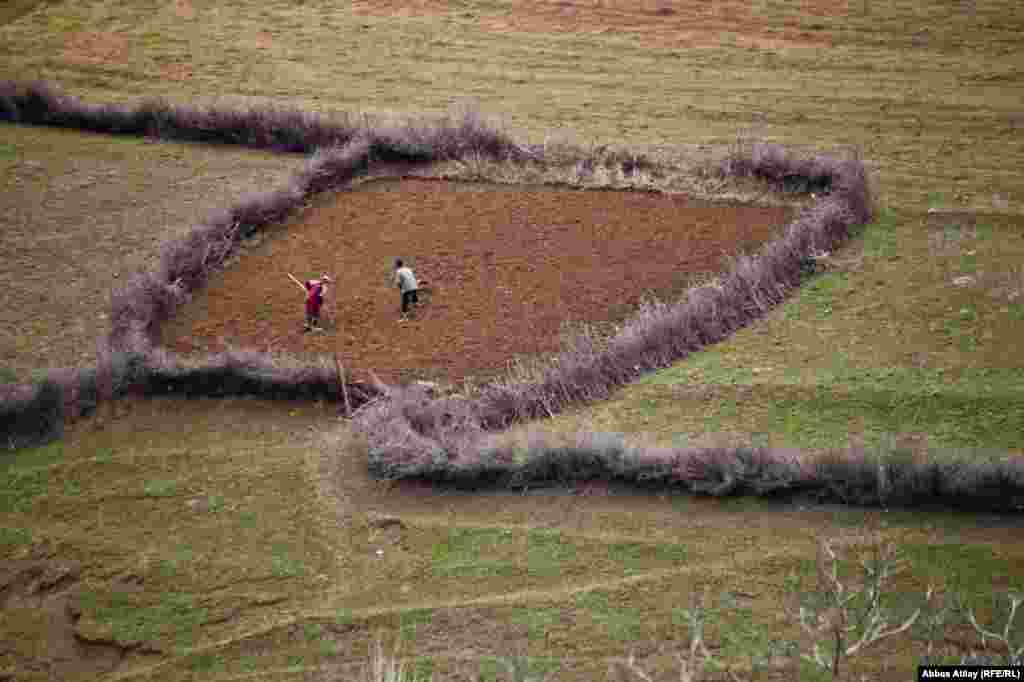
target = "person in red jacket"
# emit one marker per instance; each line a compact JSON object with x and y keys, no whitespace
{"x":316,"y":290}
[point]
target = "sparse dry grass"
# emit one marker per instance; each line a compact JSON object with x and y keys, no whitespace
{"x":922,"y":114}
{"x":80,"y":214}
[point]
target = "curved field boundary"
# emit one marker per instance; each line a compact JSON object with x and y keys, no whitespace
{"x":451,"y":439}
{"x":410,"y":434}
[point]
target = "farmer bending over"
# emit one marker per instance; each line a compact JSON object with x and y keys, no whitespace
{"x":405,"y":280}
{"x":315,"y":290}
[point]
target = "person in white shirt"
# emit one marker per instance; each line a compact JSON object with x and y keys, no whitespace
{"x":405,"y":280}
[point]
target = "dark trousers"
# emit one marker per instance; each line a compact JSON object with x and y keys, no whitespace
{"x":409,"y":298}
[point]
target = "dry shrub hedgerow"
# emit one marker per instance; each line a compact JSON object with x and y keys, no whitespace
{"x":341,"y":151}
{"x":408,"y":431}
{"x":40,"y":103}
{"x":401,"y":444}
{"x":30,"y":414}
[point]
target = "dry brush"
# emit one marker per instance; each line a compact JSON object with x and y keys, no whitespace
{"x":410,"y":433}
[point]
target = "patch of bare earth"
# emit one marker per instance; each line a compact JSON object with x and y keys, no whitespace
{"x":91,"y":47}
{"x":184,"y":9}
{"x":665,"y":23}
{"x":38,"y":596}
{"x":506,"y":269}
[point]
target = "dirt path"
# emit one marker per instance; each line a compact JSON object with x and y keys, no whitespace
{"x":507,"y":268}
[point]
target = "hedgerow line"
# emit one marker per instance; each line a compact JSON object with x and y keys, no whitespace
{"x":447,"y":439}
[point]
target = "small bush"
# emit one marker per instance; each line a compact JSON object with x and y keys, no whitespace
{"x":332,"y":167}
{"x":30,"y":415}
{"x":896,"y":478}
{"x":139,"y":308}
{"x":238,"y":373}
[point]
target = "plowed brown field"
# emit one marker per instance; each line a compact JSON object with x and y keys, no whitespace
{"x":507,"y":268}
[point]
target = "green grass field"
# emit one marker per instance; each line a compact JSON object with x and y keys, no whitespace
{"x":244,"y":540}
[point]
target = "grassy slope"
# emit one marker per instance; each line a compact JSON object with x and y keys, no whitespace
{"x":884,"y":344}
{"x":80,"y":213}
{"x":209,"y":527}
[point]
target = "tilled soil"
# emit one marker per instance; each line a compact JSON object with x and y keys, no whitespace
{"x":506,"y":267}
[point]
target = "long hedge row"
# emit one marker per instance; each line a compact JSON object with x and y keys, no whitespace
{"x":286,"y":130}
{"x":885,"y":477}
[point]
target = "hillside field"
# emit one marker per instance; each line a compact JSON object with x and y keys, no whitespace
{"x":507,"y":270}
{"x":239,"y":539}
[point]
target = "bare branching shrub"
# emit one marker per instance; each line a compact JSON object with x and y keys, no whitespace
{"x":941,"y":613}
{"x":843,"y":616}
{"x":697,"y":658}
{"x":1003,"y":631}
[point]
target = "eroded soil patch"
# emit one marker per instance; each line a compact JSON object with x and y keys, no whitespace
{"x":38,"y":606}
{"x":507,"y":268}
